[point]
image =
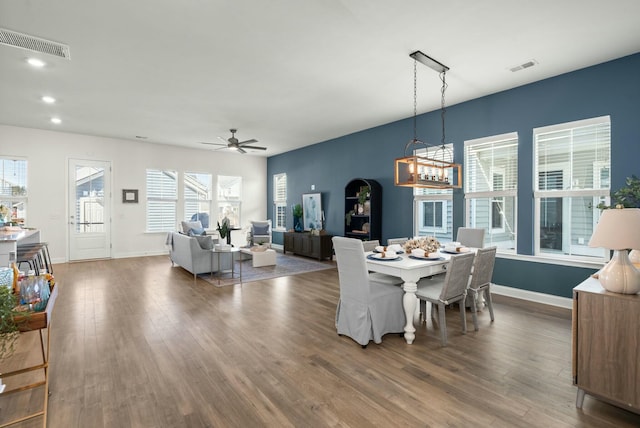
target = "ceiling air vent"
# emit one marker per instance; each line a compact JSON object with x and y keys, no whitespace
{"x":36,"y":44}
{"x":523,"y":66}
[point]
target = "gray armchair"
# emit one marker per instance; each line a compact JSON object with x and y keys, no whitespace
{"x":367,"y":309}
{"x":261,"y":232}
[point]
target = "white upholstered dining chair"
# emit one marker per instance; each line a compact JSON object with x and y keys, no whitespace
{"x":442,"y":290}
{"x":481,"y":281}
{"x":367,"y":309}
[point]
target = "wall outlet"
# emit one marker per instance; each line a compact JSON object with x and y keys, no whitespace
{"x":313,"y":187}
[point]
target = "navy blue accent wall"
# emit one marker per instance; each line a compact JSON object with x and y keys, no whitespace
{"x":612,"y":88}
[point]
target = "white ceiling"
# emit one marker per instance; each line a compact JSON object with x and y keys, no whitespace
{"x":288,"y":73}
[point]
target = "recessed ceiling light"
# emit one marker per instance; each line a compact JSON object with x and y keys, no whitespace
{"x":49,"y":100}
{"x":56,"y":120}
{"x":36,"y":62}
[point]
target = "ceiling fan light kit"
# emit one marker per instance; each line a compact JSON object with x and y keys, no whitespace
{"x":233,"y":143}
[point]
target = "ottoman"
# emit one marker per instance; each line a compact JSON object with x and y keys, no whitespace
{"x":261,"y":258}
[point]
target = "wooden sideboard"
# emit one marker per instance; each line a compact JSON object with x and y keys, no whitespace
{"x":606,"y":335}
{"x":306,"y":244}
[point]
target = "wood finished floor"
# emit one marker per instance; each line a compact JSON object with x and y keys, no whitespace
{"x":136,"y":343}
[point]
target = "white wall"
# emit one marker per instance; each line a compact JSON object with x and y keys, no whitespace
{"x":48,"y":155}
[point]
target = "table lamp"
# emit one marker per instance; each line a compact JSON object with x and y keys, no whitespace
{"x":618,"y":230}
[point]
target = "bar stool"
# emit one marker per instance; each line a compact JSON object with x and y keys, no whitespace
{"x":36,"y":255}
{"x":29,"y":255}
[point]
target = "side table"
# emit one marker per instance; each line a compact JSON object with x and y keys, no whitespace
{"x":232,"y":251}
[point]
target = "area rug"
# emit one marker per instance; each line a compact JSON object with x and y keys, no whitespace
{"x":285,"y":265}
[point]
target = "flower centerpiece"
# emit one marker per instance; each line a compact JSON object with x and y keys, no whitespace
{"x":428,"y":243}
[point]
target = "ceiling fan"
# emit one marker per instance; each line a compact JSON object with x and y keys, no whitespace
{"x":233,"y":143}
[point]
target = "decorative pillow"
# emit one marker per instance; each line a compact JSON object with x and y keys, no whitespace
{"x":186,"y":225}
{"x":206,"y":243}
{"x":260,"y":228}
{"x":195,"y":231}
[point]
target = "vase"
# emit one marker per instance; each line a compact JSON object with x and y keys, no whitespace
{"x":297,"y":224}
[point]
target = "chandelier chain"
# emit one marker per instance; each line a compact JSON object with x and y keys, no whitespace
{"x":415,"y":102}
{"x":443,"y":109}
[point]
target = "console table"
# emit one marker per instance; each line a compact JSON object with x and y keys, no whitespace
{"x":306,"y":244}
{"x":35,"y":321}
{"x":606,"y":334}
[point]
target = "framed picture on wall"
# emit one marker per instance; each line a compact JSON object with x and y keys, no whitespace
{"x":129,"y":196}
{"x":312,"y":211}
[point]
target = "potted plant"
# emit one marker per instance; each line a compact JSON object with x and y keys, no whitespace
{"x":628,"y":196}
{"x":8,"y":328}
{"x":363,"y":195}
{"x":297,"y":217}
{"x":224,"y":230}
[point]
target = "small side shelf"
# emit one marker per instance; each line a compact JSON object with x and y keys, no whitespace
{"x":364,"y":220}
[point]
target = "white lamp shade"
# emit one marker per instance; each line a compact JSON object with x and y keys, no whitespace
{"x":618,"y":229}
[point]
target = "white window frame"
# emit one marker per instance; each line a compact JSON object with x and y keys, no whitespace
{"x":226,"y":198}
{"x":492,"y":195}
{"x":444,"y":207}
{"x":280,"y":202}
{"x":11,"y":197}
{"x":568,"y":191}
{"x":164,"y":198}
{"x":204,"y":192}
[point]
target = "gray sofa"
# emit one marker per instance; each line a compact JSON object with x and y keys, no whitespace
{"x":187,"y":252}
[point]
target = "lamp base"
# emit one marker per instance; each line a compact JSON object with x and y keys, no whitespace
{"x":634,"y":256}
{"x":619,"y":275}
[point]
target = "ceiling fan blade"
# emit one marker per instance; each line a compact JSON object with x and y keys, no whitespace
{"x":253,"y":140}
{"x":222,"y":139}
{"x":240,"y":150}
{"x":213,"y":144}
{"x":254,"y":147}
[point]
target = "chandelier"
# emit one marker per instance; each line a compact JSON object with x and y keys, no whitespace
{"x":435,"y":170}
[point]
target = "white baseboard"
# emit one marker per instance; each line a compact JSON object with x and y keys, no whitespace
{"x":532,"y":296}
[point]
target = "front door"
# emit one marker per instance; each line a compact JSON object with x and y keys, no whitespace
{"x":89,"y":209}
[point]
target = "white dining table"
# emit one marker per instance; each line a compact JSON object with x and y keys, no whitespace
{"x":410,"y":270}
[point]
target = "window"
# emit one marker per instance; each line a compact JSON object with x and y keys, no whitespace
{"x":572,"y":176}
{"x":197,"y":198}
{"x":13,"y":189}
{"x":433,"y":213}
{"x":491,"y":182}
{"x":162,"y":200}
{"x":229,"y":198}
{"x":280,"y":201}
